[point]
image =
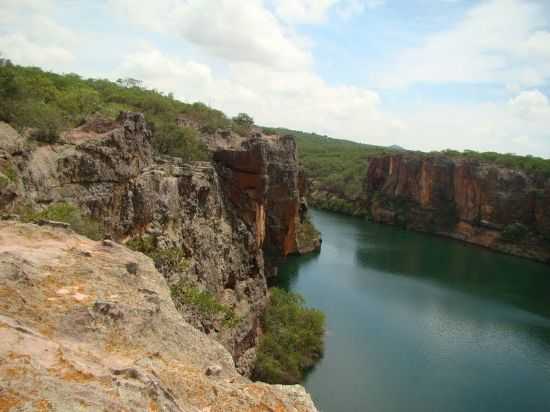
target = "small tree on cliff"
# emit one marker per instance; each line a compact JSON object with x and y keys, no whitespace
{"x":242,"y":123}
{"x":243,"y":119}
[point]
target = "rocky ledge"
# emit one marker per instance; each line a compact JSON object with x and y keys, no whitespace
{"x":502,"y":209}
{"x":231,"y":220}
{"x":91,"y":326}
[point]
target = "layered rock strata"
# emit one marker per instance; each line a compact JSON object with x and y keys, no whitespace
{"x":499,"y":208}
{"x":229,"y":217}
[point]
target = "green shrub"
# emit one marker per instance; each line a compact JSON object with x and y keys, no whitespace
{"x":4,"y":181}
{"x":9,"y":172}
{"x":182,"y":142}
{"x":49,"y":103}
{"x":514,"y":232}
{"x":242,"y":124}
{"x":46,"y":120}
{"x":307,"y":232}
{"x":186,"y":295}
{"x":292,"y":340}
{"x":166,"y":260}
{"x":67,"y":213}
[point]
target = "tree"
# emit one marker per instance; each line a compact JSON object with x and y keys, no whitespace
{"x":4,"y":61}
{"x":243,"y":119}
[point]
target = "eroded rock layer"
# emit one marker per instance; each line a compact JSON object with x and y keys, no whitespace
{"x":222,"y":215}
{"x":502,"y":209}
{"x":91,"y":326}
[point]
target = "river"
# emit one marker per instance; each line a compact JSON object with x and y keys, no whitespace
{"x":422,"y":323}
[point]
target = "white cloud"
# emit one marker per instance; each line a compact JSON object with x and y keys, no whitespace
{"x":498,"y":41}
{"x":21,"y":50}
{"x":243,"y":57}
{"x":29,"y":36}
{"x":316,"y":11}
{"x":303,"y":11}
{"x":521,"y":125}
{"x":230,"y":29}
{"x":298,"y":99}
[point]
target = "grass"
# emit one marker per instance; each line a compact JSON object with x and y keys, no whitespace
{"x":9,"y":171}
{"x":203,"y":302}
{"x":167,"y":260}
{"x":67,"y":213}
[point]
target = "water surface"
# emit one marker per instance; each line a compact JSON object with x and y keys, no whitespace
{"x":423,"y":323}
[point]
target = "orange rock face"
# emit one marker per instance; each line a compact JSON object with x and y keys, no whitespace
{"x":265,"y":184}
{"x":461,"y":198}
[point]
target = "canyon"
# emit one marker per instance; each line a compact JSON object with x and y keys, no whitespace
{"x":234,"y":219}
{"x":481,"y":203}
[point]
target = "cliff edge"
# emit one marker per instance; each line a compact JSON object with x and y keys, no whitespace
{"x":503,"y":209}
{"x":90,"y":326}
{"x":215,"y":229}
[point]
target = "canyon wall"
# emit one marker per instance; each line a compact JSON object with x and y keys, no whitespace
{"x":484,"y":204}
{"x":233,"y":218}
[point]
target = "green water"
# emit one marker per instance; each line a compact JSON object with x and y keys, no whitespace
{"x":422,"y":323}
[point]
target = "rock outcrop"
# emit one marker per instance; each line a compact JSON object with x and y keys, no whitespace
{"x":90,"y":326}
{"x":262,"y":180}
{"x":499,"y":208}
{"x":232,"y":218}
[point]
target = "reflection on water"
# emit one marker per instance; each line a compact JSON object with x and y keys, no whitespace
{"x":421,"y":323}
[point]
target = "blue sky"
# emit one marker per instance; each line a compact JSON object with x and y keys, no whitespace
{"x":424,"y":74}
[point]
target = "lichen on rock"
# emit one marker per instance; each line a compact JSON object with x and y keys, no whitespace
{"x":78,"y":331}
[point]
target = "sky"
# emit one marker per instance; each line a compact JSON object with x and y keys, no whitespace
{"x":422,"y":74}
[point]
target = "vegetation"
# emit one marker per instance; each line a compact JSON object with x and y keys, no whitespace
{"x":4,"y":181}
{"x":307,"y":232}
{"x":242,"y":124}
{"x":187,"y":295}
{"x":338,"y":167}
{"x":9,"y":171}
{"x":67,"y":213}
{"x":292,"y":340}
{"x":170,"y":259}
{"x":529,"y":164}
{"x":514,"y":232}
{"x":48,"y":103}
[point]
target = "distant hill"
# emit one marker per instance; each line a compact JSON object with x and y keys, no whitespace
{"x":336,"y":168}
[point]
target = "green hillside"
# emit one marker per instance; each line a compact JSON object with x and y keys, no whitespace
{"x":44,"y":104}
{"x":337,"y":168}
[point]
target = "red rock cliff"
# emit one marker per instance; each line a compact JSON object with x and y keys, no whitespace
{"x":503,"y":209}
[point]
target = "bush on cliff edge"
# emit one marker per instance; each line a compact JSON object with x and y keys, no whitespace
{"x":292,"y":340}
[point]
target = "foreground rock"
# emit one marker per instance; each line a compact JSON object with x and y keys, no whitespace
{"x":79,"y":331}
{"x":499,"y":208}
{"x":231,"y":219}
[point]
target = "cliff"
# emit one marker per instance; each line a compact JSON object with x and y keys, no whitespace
{"x":229,"y":219}
{"x":90,"y":326}
{"x":480,"y":203}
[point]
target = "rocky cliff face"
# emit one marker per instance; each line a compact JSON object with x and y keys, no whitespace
{"x":228,"y":217}
{"x":91,"y":326}
{"x":503,"y":209}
